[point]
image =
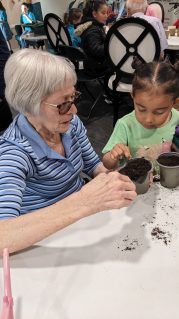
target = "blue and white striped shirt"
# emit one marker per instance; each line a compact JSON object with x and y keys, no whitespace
{"x":35,"y":176}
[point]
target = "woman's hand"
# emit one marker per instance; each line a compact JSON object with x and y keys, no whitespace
{"x":120,"y":150}
{"x":107,"y":191}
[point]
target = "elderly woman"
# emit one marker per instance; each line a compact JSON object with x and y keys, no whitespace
{"x":43,"y":152}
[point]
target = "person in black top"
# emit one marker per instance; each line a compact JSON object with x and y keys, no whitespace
{"x":93,"y":35}
{"x":5,"y":113}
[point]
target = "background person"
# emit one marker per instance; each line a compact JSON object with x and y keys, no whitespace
{"x":43,"y":153}
{"x":93,"y":35}
{"x":137,"y":8}
{"x":26,"y":17}
{"x":149,"y":129}
{"x":4,"y":26}
{"x":176,"y":23}
{"x":71,"y":20}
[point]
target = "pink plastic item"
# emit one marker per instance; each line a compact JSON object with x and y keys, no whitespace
{"x":7,"y":309}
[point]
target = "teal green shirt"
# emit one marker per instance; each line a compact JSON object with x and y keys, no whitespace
{"x":143,"y":142}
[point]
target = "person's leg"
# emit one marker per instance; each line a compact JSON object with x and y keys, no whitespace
{"x":23,"y":42}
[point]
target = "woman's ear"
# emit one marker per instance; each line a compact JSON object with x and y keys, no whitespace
{"x":176,"y":104}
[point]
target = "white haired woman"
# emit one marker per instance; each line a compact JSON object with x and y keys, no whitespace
{"x":43,"y":152}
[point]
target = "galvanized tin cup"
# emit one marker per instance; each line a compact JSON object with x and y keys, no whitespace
{"x":169,"y":175}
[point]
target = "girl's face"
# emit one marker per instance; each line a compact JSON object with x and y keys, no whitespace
{"x":102,"y":14}
{"x":153,"y":108}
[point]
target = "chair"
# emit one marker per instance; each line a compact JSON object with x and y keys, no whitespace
{"x":56,"y":31}
{"x":34,"y":44}
{"x":60,"y":40}
{"x":76,"y":4}
{"x":78,"y":57}
{"x":126,"y":39}
{"x":156,"y":9}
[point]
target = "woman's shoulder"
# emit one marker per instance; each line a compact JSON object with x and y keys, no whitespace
{"x":77,"y":125}
{"x":14,"y":140}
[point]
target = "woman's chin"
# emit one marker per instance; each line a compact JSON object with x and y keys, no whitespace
{"x":63,"y":127}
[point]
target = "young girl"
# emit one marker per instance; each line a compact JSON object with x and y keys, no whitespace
{"x":149,"y":129}
{"x":92,"y":34}
{"x":71,"y":20}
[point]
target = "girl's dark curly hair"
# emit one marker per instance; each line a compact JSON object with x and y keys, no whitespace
{"x":161,"y":74}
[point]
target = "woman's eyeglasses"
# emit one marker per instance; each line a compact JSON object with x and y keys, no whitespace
{"x":64,"y":107}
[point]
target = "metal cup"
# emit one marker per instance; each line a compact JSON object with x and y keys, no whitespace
{"x":172,"y":30}
{"x":169,"y":175}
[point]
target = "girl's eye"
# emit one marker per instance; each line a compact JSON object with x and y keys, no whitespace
{"x":160,"y":112}
{"x":141,"y":110}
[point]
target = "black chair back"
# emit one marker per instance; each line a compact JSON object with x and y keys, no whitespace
{"x":126,"y":39}
{"x":57,"y":33}
{"x":18,"y":29}
{"x":78,"y":57}
{"x":75,"y":54}
{"x":129,"y":38}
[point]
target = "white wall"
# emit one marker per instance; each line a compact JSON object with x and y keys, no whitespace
{"x":54,"y":6}
{"x":13,"y":11}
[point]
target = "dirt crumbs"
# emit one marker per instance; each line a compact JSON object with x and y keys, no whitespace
{"x":130,"y":245}
{"x":159,"y":234}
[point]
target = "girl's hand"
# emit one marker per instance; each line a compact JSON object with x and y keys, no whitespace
{"x":120,"y":150}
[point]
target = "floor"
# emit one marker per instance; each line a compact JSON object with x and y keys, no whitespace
{"x":100,"y":124}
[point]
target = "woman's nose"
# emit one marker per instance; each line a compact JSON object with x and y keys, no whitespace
{"x":72,"y":109}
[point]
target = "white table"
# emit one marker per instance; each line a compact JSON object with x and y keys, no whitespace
{"x":173,"y":43}
{"x":35,"y":37}
{"x":107,"y":266}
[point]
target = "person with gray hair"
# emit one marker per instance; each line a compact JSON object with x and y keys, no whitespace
{"x":137,"y":8}
{"x":43,"y":153}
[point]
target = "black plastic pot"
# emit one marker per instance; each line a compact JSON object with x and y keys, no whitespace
{"x":139,"y":171}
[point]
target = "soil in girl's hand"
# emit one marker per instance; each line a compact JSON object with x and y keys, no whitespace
{"x":136,"y":168}
{"x":169,"y":160}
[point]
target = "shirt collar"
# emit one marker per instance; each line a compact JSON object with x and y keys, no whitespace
{"x":37,"y":143}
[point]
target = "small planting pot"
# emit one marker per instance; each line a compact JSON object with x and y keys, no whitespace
{"x":139,"y":170}
{"x":169,"y":169}
{"x":172,"y":30}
